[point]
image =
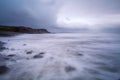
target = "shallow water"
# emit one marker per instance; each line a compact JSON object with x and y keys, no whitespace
{"x":63,"y":56}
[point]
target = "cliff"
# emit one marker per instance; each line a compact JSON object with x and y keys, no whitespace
{"x":22,"y":29}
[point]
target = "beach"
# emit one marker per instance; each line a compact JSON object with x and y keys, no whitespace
{"x":61,"y":56}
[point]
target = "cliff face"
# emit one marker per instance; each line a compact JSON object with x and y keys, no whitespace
{"x":22,"y":29}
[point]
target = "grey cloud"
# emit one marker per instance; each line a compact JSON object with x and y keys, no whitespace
{"x":44,"y":13}
{"x":28,"y":12}
{"x":94,"y":7}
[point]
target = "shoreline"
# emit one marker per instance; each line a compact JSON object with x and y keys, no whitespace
{"x":8,"y":34}
{"x":37,"y":55}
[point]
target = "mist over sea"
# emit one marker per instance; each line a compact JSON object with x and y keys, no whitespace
{"x":63,"y":56}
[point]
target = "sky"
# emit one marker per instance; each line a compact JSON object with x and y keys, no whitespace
{"x":60,"y":14}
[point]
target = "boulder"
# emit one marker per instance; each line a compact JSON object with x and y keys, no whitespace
{"x":3,"y":69}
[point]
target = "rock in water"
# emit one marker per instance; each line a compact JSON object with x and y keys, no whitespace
{"x":69,"y":69}
{"x":42,"y":53}
{"x":24,"y":44}
{"x":80,"y":54}
{"x":29,"y":52}
{"x":11,"y":55}
{"x":3,"y":69}
{"x":38,"y":56}
{"x":1,"y":46}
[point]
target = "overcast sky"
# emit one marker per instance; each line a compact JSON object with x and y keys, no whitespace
{"x":57,"y":14}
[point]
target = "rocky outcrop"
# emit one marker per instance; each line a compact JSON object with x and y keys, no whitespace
{"x":22,"y":29}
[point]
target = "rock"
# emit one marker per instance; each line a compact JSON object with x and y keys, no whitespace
{"x":12,"y":49}
{"x":80,"y":54}
{"x":42,"y":53}
{"x":24,"y":44}
{"x":2,"y":48}
{"x":3,"y":69}
{"x":38,"y":56}
{"x":69,"y":69}
{"x":11,"y":55}
{"x":7,"y":33}
{"x":28,"y":58}
{"x":6,"y":58}
{"x":1,"y":57}
{"x":2,"y":43}
{"x":29,"y":52}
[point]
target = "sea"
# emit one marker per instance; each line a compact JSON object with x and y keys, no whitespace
{"x":62,"y":56}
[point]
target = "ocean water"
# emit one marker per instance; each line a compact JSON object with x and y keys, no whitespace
{"x":63,"y":56}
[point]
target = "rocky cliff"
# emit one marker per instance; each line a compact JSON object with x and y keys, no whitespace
{"x":22,"y":29}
